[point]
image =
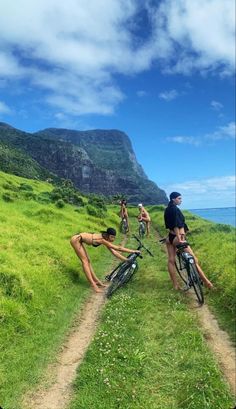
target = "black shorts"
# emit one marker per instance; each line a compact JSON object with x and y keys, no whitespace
{"x":171,"y":237}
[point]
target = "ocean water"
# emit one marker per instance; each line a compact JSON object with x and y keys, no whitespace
{"x":224,"y":215}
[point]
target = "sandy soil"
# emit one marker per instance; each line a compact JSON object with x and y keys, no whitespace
{"x":62,"y":374}
{"x":58,"y":392}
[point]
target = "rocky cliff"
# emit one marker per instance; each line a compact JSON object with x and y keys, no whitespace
{"x":97,"y":161}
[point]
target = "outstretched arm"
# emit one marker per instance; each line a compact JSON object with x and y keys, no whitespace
{"x":118,"y":248}
{"x":117,"y":254}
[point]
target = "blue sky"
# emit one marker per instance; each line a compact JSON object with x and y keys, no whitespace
{"x":161,"y":71}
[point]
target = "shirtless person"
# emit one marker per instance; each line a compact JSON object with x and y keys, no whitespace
{"x":106,"y":238}
{"x":144,"y":215}
{"x":124,"y":212}
{"x":175,"y":222}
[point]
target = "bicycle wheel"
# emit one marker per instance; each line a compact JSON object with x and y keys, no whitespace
{"x":181,"y":270}
{"x":141,"y":230}
{"x":128,"y":273}
{"x":122,"y":277}
{"x":115,"y":284}
{"x":114,"y":272}
{"x":116,"y":281}
{"x":196,"y":283}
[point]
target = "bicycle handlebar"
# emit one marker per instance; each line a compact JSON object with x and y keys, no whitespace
{"x":141,"y":245}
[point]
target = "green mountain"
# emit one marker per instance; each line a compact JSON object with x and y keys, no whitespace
{"x":97,"y":161}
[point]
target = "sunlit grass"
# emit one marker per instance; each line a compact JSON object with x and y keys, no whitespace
{"x":41,"y":282}
{"x":149,"y":351}
{"x":214,"y":245}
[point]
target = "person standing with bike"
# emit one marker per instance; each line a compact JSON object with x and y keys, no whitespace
{"x":175,"y":222}
{"x":124,"y":214}
{"x":106,"y":238}
{"x":144,"y":216}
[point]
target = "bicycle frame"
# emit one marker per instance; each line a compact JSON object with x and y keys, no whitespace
{"x":187,"y":270}
{"x":125,"y":270}
{"x":142,"y":229}
{"x":187,"y":263}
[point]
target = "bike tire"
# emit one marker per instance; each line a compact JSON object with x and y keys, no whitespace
{"x":110,"y":276}
{"x":128,"y":273}
{"x":196,"y":283}
{"x":182,"y":271}
{"x":141,"y":231}
{"x":122,"y":277}
{"x":115,"y":284}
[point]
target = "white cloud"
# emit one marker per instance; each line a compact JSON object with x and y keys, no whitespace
{"x":216,"y":105}
{"x":189,"y":140}
{"x":223,"y":132}
{"x":4,"y":108}
{"x":168,"y":95}
{"x":226,"y":132}
{"x":217,"y":191}
{"x":201,"y":33}
{"x":73,"y":50}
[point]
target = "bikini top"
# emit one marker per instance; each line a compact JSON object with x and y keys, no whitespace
{"x":95,"y":244}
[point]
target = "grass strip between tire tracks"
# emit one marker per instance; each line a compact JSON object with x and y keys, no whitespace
{"x":149,"y":351}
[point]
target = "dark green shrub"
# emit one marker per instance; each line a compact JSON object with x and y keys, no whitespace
{"x":30,"y":195}
{"x":9,"y":186}
{"x":60,"y":203}
{"x":218,"y":228}
{"x":26,"y":186}
{"x":97,"y":201}
{"x":78,"y":201}
{"x":56,"y":194}
{"x":94,"y":211}
{"x":44,"y":198}
{"x":7,"y":197}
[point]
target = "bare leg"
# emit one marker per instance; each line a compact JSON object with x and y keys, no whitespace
{"x":82,"y":254}
{"x":207,"y":282}
{"x":95,"y":278}
{"x":171,"y":265}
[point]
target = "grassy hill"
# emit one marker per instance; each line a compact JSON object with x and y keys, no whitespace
{"x":41,"y":283}
{"x":149,"y":351}
{"x":214,"y":245}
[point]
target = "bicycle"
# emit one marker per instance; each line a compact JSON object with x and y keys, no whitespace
{"x":124,"y":226}
{"x":125,"y":270}
{"x":141,"y":229}
{"x":187,"y":270}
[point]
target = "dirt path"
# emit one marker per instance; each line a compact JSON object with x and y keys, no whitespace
{"x":60,"y":376}
{"x":217,"y":339}
{"x":220,"y":344}
{"x":63,"y":373}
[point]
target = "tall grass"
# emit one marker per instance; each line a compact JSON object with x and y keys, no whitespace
{"x":41,"y":281}
{"x":149,"y":351}
{"x":214,"y":245}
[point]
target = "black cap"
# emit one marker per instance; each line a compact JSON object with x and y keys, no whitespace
{"x":110,"y":231}
{"x":173,"y":195}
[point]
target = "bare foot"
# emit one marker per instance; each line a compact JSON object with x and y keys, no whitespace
{"x":100,"y":284}
{"x":96,"y":289}
{"x":209,"y":284}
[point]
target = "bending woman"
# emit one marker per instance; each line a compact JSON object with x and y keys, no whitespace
{"x":106,"y":238}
